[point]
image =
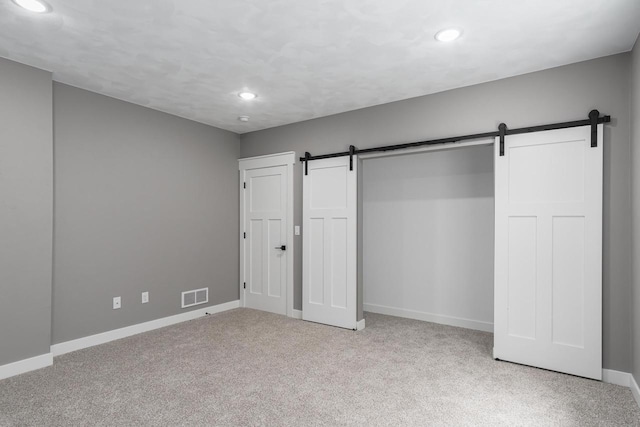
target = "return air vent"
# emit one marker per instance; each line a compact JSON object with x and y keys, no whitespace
{"x":195,"y":297}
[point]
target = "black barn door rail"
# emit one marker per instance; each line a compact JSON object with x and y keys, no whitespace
{"x":593,"y":121}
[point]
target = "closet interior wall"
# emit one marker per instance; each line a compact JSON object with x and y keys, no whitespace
{"x":428,"y":230}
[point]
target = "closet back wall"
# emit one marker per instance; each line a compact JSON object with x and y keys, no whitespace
{"x":428,"y":236}
{"x":555,"y":95}
{"x":144,"y":201}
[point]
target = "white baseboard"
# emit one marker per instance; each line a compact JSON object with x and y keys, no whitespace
{"x":610,"y":376}
{"x":430,"y":317}
{"x":26,"y":365}
{"x":634,"y":389}
{"x":360,"y":325}
{"x":116,"y":334}
{"x":624,"y":379}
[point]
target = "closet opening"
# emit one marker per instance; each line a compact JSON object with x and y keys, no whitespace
{"x":427,"y":236}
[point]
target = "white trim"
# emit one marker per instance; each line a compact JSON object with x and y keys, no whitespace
{"x":430,"y":317}
{"x":116,"y":334}
{"x":360,"y":325}
{"x":296,"y":314}
{"x":26,"y":365}
{"x":270,"y":160}
{"x":610,"y":376}
{"x":290,"y":237}
{"x":439,"y":147}
{"x":287,"y":159}
{"x":623,"y":379}
{"x":634,"y":389}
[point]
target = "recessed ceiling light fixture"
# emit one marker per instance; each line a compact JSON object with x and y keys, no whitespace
{"x":243,"y":119}
{"x":248,"y":96}
{"x":448,"y":34}
{"x":37,"y":6}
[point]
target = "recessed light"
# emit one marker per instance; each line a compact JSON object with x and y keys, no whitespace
{"x":243,"y":118}
{"x":448,"y":35}
{"x":247,"y":95}
{"x":37,"y":6}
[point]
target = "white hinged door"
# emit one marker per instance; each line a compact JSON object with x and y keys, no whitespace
{"x":548,"y":251}
{"x":329,"y":284}
{"x":266,"y":232}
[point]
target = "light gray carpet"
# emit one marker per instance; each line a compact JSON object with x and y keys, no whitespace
{"x":250,"y":368}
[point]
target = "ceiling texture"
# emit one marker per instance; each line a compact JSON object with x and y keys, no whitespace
{"x":304,"y":59}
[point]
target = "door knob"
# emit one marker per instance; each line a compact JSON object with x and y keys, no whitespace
{"x":282,"y":248}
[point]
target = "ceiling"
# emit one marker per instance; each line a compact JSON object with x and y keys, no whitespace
{"x":304,"y":59}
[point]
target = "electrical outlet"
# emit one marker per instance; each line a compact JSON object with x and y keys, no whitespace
{"x":117,"y":303}
{"x":145,"y":297}
{"x":296,"y":230}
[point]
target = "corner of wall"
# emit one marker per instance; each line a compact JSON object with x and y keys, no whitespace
{"x":635,"y":216}
{"x":26,"y":216}
{"x":635,"y":390}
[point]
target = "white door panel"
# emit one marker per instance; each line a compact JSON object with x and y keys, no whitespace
{"x":329,"y":243}
{"x":548,"y":251}
{"x":275,"y":268}
{"x":256,"y":256}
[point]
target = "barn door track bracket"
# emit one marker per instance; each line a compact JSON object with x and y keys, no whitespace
{"x":502,"y":131}
{"x":593,"y":118}
{"x":305,"y":159}
{"x":352,"y":151}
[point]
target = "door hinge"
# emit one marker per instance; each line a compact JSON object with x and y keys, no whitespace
{"x":244,"y":185}
{"x":245,"y":234}
{"x":244,"y":285}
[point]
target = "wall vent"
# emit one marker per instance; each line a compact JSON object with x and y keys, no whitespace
{"x":195,"y":297}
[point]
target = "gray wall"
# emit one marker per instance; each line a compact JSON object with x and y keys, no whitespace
{"x":635,"y":196}
{"x":26,"y":204}
{"x":144,"y":201}
{"x":428,"y":233}
{"x":564,"y":93}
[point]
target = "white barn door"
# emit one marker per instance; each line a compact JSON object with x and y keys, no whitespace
{"x":548,"y":251}
{"x":329,"y":284}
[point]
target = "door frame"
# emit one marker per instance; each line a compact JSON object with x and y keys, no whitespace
{"x":287,"y":159}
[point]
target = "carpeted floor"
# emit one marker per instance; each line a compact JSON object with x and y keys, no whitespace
{"x":250,"y":368}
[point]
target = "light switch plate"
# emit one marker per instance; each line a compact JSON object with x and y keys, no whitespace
{"x":145,"y":297}
{"x":117,"y":303}
{"x":296,"y":230}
